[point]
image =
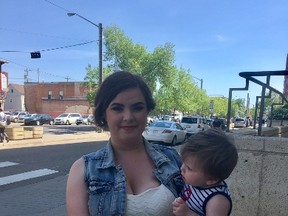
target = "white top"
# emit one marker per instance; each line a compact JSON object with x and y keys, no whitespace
{"x":153,"y":202}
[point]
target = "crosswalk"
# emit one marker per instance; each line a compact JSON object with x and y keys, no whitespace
{"x":5,"y":180}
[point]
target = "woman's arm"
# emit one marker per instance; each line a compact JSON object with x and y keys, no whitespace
{"x":76,"y":191}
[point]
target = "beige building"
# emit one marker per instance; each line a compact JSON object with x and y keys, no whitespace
{"x":15,"y":99}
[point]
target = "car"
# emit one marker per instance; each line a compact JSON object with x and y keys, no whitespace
{"x":85,"y":119}
{"x":8,"y":116}
{"x":167,"y":132}
{"x":39,"y":119}
{"x":18,"y":116}
{"x":67,"y":118}
{"x":194,"y":124}
{"x":22,"y":118}
{"x":239,"y":123}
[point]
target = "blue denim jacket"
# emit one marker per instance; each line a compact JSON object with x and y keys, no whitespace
{"x":106,"y":181}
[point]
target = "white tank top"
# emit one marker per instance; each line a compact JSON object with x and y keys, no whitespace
{"x":153,"y":202}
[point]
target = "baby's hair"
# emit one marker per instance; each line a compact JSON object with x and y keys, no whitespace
{"x":215,"y":153}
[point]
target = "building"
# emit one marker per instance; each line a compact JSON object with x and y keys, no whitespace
{"x":14,"y":98}
{"x":56,"y":98}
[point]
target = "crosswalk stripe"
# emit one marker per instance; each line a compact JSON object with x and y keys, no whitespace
{"x":25,"y":176}
{"x":7,"y":163}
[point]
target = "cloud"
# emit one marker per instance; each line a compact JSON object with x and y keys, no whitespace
{"x":220,"y":38}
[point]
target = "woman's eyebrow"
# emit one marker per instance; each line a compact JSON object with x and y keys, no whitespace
{"x":116,"y":104}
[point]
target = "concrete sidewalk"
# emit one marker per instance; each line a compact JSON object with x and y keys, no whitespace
{"x":56,"y":139}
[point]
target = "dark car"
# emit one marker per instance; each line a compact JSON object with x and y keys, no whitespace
{"x":39,"y":119}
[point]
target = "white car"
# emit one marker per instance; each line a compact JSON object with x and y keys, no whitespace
{"x":165,"y":132}
{"x":67,"y":118}
{"x":239,"y":123}
{"x":194,"y":124}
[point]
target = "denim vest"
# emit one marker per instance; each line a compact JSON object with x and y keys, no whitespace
{"x":106,"y":181}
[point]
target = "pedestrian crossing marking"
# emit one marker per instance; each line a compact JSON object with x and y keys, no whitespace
{"x":25,"y":176}
{"x":7,"y":163}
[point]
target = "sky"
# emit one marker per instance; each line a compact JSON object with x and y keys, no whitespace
{"x":214,"y":40}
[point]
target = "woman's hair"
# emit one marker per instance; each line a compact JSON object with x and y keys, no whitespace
{"x":112,"y":86}
{"x":215,"y":153}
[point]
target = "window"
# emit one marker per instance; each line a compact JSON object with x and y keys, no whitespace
{"x":61,"y":95}
{"x":49,"y":95}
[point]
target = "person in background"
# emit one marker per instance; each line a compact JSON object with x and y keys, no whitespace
{"x":209,"y":158}
{"x":216,"y":123}
{"x":129,"y":176}
{"x":3,"y":123}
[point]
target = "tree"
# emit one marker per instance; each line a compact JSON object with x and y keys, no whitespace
{"x":173,"y":88}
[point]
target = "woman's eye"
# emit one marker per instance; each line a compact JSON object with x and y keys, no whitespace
{"x":138,"y":108}
{"x":117,"y":109}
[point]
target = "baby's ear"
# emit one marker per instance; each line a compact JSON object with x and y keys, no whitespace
{"x":212,"y":181}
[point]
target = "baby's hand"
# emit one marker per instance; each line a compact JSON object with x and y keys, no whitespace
{"x":180,"y":208}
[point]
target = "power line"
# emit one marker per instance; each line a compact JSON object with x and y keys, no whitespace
{"x":50,"y":49}
{"x":52,"y":3}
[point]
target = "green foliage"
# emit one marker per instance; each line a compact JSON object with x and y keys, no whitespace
{"x":281,"y":112}
{"x":173,"y":88}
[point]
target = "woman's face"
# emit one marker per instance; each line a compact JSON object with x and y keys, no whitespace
{"x":126,"y":115}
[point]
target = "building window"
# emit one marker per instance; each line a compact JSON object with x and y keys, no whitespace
{"x":49,"y":95}
{"x":10,"y":100}
{"x":61,"y":95}
{"x":12,"y":91}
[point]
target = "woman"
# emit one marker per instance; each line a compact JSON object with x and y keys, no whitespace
{"x":129,"y":176}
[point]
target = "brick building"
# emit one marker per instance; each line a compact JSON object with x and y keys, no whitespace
{"x":56,"y":98}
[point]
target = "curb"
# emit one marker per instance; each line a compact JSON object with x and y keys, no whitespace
{"x":56,"y":139}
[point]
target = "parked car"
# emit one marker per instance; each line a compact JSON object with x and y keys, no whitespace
{"x":167,"y":132}
{"x":18,"y":115}
{"x":8,"y":116}
{"x":194,"y":124}
{"x":39,"y":119}
{"x":22,"y":118}
{"x":85,"y":119}
{"x":67,"y":118}
{"x":239,"y":123}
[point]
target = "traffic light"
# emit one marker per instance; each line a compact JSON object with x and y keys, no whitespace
{"x":35,"y":55}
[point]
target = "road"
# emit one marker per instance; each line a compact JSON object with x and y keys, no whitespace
{"x":33,"y":179}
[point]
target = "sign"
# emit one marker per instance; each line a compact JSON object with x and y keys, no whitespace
{"x":211,"y":107}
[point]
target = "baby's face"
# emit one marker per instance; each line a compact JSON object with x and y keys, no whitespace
{"x":192,"y":173}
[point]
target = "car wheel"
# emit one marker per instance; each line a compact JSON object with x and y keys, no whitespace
{"x":51,"y":123}
{"x":67,"y":122}
{"x":174,"y":141}
{"x":37,"y":123}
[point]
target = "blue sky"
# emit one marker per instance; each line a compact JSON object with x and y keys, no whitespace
{"x":215,"y":40}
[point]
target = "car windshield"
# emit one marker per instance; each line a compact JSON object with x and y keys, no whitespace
{"x":189,"y":120}
{"x":238,"y":119}
{"x":161,"y":124}
{"x":63,"y":115}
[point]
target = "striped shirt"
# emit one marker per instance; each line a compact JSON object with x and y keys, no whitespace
{"x":197,"y":198}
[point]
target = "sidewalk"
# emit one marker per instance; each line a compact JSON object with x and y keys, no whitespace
{"x":56,"y":139}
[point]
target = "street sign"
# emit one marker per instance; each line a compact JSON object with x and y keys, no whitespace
{"x":35,"y":55}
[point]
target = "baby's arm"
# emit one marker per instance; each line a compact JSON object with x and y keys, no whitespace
{"x":180,"y":208}
{"x":218,"y":205}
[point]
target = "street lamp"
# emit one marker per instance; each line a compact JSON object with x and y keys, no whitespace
{"x":99,"y":26}
{"x":201,"y":81}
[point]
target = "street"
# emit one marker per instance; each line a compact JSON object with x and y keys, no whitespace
{"x":33,"y":179}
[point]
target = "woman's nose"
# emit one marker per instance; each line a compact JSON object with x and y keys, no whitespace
{"x":128,"y":115}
